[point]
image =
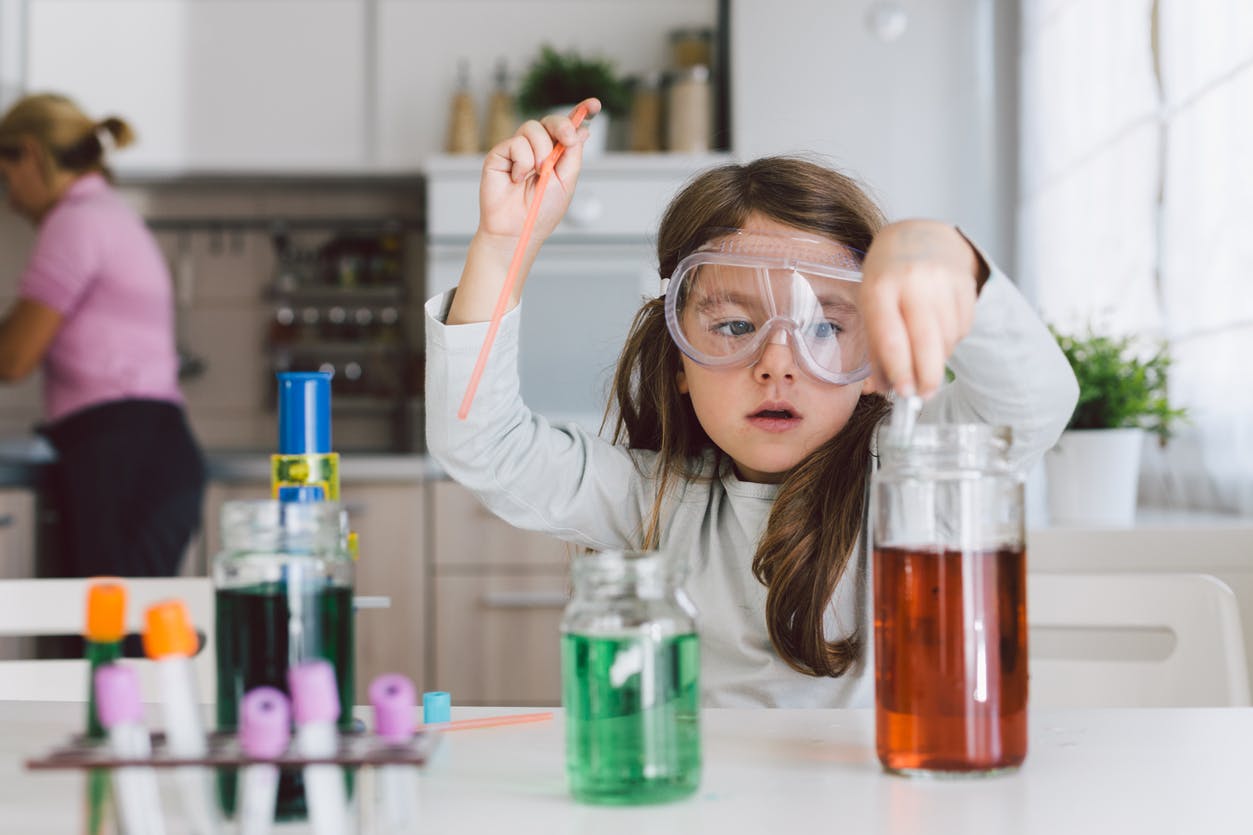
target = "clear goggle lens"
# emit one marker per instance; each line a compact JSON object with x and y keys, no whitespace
{"x":723,"y":309}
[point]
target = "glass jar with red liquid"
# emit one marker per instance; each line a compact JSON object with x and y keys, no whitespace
{"x":950,"y":603}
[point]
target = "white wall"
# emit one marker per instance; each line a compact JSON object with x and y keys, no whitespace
{"x":925,"y":120}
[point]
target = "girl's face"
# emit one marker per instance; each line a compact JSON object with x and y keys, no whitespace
{"x":768,"y":416}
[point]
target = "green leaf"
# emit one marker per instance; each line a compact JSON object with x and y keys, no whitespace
{"x":566,"y":78}
{"x":1118,"y":389}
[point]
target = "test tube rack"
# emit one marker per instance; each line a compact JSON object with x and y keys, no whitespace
{"x":357,"y":748}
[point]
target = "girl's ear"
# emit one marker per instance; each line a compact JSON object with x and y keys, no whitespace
{"x":681,"y":378}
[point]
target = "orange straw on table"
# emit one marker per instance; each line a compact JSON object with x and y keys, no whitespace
{"x":515,"y":265}
{"x":487,"y":722}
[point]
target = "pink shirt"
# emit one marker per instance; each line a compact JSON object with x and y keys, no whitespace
{"x":96,"y":263}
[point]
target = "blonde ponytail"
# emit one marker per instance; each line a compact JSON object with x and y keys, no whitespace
{"x":118,"y":129}
{"x":70,"y":140}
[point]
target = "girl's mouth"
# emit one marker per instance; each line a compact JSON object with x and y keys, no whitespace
{"x":774,"y":420}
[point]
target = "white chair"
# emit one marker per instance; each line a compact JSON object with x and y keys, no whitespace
{"x":54,"y":607}
{"x":1134,"y":640}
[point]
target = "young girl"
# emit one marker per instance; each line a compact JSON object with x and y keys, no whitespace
{"x":746,"y":403}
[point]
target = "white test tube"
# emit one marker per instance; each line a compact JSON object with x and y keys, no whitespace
{"x":315,"y":707}
{"x":170,"y":641}
{"x":393,"y":698}
{"x":264,"y":733}
{"x":121,"y":713}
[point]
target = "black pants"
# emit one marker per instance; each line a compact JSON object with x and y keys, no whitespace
{"x":126,"y":490}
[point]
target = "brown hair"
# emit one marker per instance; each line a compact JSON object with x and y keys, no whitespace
{"x":817,"y":515}
{"x":69,"y":138}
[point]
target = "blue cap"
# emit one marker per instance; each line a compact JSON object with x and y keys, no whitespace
{"x":301,"y":493}
{"x":304,"y":412}
{"x":436,"y":707}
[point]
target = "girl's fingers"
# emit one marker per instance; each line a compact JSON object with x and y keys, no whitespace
{"x":541,"y":141}
{"x":889,"y":348}
{"x":926,"y":343}
{"x":521,"y":158}
{"x":568,"y":166}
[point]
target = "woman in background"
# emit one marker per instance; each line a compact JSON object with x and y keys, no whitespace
{"x":95,"y":310}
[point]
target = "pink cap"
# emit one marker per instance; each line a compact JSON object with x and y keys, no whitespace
{"x":117,"y":696}
{"x":393,"y":698}
{"x":264,"y":723}
{"x":314,"y":693}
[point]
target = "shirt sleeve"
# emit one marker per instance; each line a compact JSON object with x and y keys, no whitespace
{"x":561,"y":480}
{"x":64,"y":261}
{"x":1009,"y":371}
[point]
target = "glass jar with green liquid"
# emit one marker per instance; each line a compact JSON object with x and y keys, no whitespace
{"x":284,"y":588}
{"x":630,"y":670}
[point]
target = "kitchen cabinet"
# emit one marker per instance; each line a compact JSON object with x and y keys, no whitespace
{"x":17,"y":552}
{"x":498,"y":596}
{"x":17,"y":533}
{"x":390,"y":523}
{"x":274,"y":85}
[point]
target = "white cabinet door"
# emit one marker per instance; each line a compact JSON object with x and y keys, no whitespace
{"x":228,"y":84}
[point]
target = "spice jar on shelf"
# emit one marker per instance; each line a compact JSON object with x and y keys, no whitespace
{"x":688,"y":111}
{"x":645,"y":119}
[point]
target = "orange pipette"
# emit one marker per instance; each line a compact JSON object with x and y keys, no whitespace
{"x":487,"y":722}
{"x":515,"y":265}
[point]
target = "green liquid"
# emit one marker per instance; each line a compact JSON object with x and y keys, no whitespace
{"x":98,"y":800}
{"x":632,"y":718}
{"x":258,"y":638}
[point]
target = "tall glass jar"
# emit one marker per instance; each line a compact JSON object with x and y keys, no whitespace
{"x":950,"y":603}
{"x":284,"y":594}
{"x":630,"y":670}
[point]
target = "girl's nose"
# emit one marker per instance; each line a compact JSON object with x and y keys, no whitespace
{"x":776,"y":362}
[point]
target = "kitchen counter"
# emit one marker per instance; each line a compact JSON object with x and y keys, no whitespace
{"x":252,"y":467}
{"x":23,"y":459}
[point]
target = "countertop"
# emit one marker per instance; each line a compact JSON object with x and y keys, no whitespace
{"x":23,"y":459}
{"x":1148,"y":771}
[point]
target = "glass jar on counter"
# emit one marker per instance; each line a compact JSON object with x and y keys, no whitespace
{"x":950,"y":603}
{"x":630,"y":671}
{"x":284,"y":594}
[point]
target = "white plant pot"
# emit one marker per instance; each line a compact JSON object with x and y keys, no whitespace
{"x":1093,"y":477}
{"x":598,"y":131}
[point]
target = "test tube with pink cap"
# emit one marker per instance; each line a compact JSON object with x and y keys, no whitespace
{"x":393,"y":698}
{"x":122,"y":714}
{"x":264,"y":733}
{"x":315,"y":707}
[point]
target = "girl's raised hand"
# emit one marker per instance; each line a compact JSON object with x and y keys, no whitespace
{"x":919,"y":283}
{"x":510,"y":170}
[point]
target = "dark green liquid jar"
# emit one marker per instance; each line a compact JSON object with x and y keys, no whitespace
{"x":630,"y":668}
{"x":284,"y":590}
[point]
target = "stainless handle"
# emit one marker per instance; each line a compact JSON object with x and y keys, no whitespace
{"x":525,"y":599}
{"x":364,"y":601}
{"x":6,"y":520}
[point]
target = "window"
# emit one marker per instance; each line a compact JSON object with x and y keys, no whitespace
{"x":1136,"y":209}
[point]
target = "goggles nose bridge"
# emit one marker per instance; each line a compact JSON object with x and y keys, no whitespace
{"x":778,"y":330}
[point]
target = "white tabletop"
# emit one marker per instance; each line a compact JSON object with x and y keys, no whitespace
{"x":780,"y":771}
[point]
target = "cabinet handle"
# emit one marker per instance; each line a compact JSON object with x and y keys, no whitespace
{"x":525,"y":599}
{"x":6,"y":520}
{"x":364,"y":601}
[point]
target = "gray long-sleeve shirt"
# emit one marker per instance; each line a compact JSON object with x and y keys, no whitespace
{"x":574,"y":485}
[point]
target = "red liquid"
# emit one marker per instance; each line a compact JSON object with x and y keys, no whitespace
{"x":950,"y":659}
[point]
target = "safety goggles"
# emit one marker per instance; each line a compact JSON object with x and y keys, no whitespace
{"x":743,"y":290}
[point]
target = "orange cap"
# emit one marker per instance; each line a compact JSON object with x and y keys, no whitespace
{"x":168,"y":631}
{"x":106,"y":612}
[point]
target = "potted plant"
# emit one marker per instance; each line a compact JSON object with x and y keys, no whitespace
{"x":1094,"y":470}
{"x":557,"y":81}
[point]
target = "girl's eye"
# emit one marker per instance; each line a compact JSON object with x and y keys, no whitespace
{"x":826,"y":330}
{"x":733,"y":327}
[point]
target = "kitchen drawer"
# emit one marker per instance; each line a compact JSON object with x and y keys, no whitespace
{"x":467,"y":536}
{"x":498,"y":639}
